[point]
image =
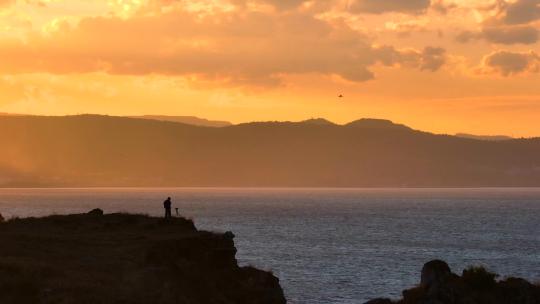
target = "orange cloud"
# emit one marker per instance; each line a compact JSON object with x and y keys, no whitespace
{"x":6,"y":2}
{"x":240,"y":46}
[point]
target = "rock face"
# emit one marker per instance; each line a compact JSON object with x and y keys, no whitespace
{"x":127,"y":259}
{"x":476,"y":285}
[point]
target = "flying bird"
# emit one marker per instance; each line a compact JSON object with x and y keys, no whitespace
{"x":340,"y":96}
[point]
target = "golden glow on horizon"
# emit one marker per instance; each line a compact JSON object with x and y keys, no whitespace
{"x":445,"y":66}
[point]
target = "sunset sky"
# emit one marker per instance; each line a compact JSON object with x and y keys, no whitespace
{"x":444,"y":66}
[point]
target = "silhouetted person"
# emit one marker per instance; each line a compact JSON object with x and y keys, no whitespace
{"x":167,"y":206}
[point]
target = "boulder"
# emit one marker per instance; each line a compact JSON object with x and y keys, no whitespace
{"x":434,"y":272}
{"x":96,"y":212}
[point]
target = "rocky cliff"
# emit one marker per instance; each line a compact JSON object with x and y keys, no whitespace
{"x":476,"y":285}
{"x":121,"y":258}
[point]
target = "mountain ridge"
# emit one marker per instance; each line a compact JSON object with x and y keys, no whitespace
{"x":485,"y":137}
{"x":92,"y":151}
{"x":190,"y":120}
{"x":203,"y":122}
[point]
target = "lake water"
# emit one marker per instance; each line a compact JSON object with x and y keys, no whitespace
{"x":336,"y":245}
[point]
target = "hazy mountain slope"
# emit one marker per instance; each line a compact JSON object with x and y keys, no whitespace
{"x":484,"y":137}
{"x":11,"y":114}
{"x":112,"y":151}
{"x":190,"y":120}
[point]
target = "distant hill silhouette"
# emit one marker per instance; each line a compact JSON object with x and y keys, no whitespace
{"x":369,"y":123}
{"x":484,"y":137}
{"x":91,"y":150}
{"x":11,"y":114}
{"x":190,"y":120}
{"x":317,"y":121}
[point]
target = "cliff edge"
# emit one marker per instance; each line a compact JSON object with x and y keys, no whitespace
{"x":123,"y":258}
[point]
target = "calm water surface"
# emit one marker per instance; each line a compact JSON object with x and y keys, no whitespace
{"x":336,"y":245}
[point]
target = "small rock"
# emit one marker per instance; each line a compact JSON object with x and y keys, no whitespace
{"x":229,"y":235}
{"x":435,"y":272}
{"x":97,"y":212}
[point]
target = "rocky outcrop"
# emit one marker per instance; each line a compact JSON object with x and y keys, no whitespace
{"x":476,"y":285}
{"x":96,"y":212}
{"x":128,"y":259}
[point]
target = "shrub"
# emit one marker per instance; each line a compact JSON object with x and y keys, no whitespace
{"x":413,"y":295}
{"x":478,"y":278}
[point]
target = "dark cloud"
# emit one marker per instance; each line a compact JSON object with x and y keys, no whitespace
{"x":509,"y":63}
{"x":515,"y":23}
{"x":382,"y":6}
{"x":503,"y":35}
{"x":285,"y":4}
{"x":511,"y":34}
{"x":279,"y":4}
{"x":522,"y":12}
{"x":432,"y":59}
{"x":443,"y":7}
{"x":468,"y":36}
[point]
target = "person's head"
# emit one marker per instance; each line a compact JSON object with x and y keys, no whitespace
{"x":168,"y":198}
